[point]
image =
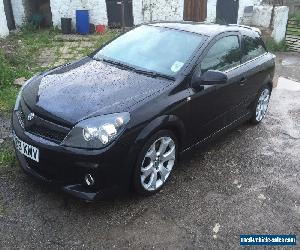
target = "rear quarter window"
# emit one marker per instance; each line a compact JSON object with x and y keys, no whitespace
{"x":253,"y":47}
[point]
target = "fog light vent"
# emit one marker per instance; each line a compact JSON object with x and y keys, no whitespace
{"x":89,"y":180}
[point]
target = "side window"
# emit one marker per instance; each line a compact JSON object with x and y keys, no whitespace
{"x":223,"y":55}
{"x":253,"y":47}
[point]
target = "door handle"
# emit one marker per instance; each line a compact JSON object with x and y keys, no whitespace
{"x":243,"y":81}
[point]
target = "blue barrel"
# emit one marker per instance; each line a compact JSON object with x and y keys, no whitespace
{"x":82,"y":22}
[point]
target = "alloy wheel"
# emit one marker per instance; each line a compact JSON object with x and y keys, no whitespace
{"x":158,"y":163}
{"x":262,"y":105}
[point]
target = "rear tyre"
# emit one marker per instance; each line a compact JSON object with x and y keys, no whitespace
{"x":155,"y":163}
{"x":261,"y":105}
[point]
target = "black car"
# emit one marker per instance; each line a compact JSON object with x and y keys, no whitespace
{"x":122,"y":117}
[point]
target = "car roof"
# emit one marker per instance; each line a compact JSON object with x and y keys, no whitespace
{"x":207,"y":29}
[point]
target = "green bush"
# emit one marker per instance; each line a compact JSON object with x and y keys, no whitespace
{"x":276,"y":47}
{"x":296,"y":17}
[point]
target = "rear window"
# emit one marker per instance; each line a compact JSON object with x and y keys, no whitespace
{"x":253,"y":47}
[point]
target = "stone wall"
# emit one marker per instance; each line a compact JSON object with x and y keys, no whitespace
{"x":155,"y":10}
{"x":243,"y":4}
{"x":3,"y":23}
{"x":212,"y":6}
{"x":152,"y":10}
{"x":19,"y":11}
{"x":211,"y":11}
{"x":262,"y":16}
{"x":67,"y":8}
{"x":138,"y":11}
{"x":281,"y":15}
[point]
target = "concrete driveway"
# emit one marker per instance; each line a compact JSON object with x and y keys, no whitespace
{"x":246,"y":182}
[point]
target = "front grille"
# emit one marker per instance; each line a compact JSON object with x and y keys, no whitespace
{"x":41,"y":127}
{"x":21,"y":118}
{"x":47,"y":133}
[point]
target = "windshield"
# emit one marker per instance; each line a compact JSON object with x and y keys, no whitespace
{"x":151,"y":48}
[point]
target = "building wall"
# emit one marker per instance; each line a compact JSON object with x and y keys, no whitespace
{"x":154,"y":10}
{"x":211,"y":11}
{"x":67,"y":8}
{"x":19,"y":11}
{"x":137,"y":11}
{"x":243,"y":4}
{"x":212,"y":7}
{"x":3,"y":23}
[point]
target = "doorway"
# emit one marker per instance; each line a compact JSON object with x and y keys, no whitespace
{"x":195,"y":10}
{"x":39,"y":11}
{"x":227,"y":11}
{"x":114,"y":13}
{"x":9,"y":15}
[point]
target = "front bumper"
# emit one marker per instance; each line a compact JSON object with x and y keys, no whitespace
{"x":66,"y":167}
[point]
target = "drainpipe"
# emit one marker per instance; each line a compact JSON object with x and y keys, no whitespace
{"x":123,"y":15}
{"x":272,"y":16}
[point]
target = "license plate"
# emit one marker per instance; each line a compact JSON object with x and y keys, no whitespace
{"x":26,"y":149}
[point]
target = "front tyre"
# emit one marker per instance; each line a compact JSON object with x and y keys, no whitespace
{"x":261,"y":105}
{"x":155,"y":163}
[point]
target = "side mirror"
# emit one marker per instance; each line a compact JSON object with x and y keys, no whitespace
{"x":210,"y":77}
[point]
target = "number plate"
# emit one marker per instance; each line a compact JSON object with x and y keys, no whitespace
{"x":26,"y":149}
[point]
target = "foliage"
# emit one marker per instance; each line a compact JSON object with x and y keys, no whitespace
{"x":7,"y":156}
{"x":18,"y":53}
{"x":296,"y":17}
{"x":276,"y":47}
{"x":7,"y":73}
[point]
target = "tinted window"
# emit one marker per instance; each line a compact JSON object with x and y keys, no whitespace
{"x":152,"y":48}
{"x":223,"y":55}
{"x":253,"y":48}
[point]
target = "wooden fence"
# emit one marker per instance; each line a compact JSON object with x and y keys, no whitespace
{"x":293,"y":35}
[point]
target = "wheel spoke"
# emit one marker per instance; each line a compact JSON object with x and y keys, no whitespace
{"x":163,"y":145}
{"x":147,"y":171}
{"x":164,"y":173}
{"x":153,"y":180}
{"x":170,"y":155}
{"x":151,"y":152}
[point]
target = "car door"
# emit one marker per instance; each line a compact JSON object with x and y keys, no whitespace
{"x":215,"y":106}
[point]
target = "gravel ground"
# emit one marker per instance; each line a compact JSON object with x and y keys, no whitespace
{"x":246,"y":182}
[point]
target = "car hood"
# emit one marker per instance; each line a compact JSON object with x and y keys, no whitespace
{"x":88,"y":88}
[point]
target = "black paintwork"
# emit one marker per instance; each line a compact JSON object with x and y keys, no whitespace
{"x":65,"y":95}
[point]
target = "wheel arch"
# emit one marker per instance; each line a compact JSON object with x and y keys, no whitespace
{"x":165,"y":122}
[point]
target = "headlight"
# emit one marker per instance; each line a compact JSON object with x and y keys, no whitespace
{"x":97,"y":132}
{"x":17,"y":105}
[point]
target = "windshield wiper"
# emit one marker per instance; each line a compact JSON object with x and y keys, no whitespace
{"x":116,"y":63}
{"x":153,"y":74}
{"x":139,"y":71}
